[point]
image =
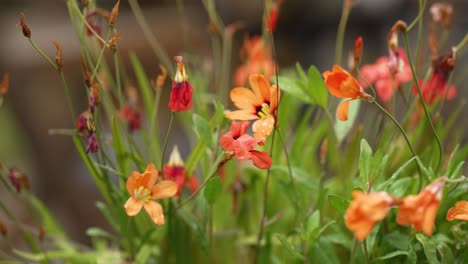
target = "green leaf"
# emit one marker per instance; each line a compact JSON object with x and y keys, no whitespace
{"x":316,"y":87}
{"x":197,"y":229}
{"x":445,"y":253}
{"x":118,"y":144}
{"x":99,"y":233}
{"x":143,"y":83}
{"x":339,"y":203}
{"x":301,"y":72}
{"x":429,"y":248}
{"x":393,"y":254}
{"x":218,"y":116}
{"x":194,"y":157}
{"x":365,"y":160}
{"x":202,"y":129}
{"x":289,"y":248}
{"x":342,"y":128}
{"x":400,"y":187}
{"x":111,"y":219}
{"x":293,"y":87}
{"x":213,"y":190}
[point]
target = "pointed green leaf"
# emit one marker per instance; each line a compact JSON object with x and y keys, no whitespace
{"x":339,"y":203}
{"x":202,"y":129}
{"x":213,"y":190}
{"x":316,"y":87}
{"x":289,"y":248}
{"x":429,"y":248}
{"x":143,"y":83}
{"x":293,"y":87}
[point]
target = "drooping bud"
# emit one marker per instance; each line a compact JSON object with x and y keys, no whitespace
{"x":58,"y":55}
{"x":400,"y":25}
{"x":181,"y":93}
{"x":26,"y":30}
{"x":93,"y":145}
{"x":395,"y":62}
{"x":4,"y":85}
{"x":114,"y":14}
{"x":357,"y":51}
{"x":161,"y":77}
{"x":18,"y":179}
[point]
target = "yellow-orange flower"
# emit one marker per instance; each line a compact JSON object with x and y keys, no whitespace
{"x":143,"y":190}
{"x":261,"y":104}
{"x":459,"y":211}
{"x":342,"y":84}
{"x":420,"y":210}
{"x":366,"y":210}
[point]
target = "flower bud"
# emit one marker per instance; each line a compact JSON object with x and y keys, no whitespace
{"x":161,"y":78}
{"x":58,"y":55}
{"x":357,"y":51}
{"x":114,"y":14}
{"x":26,"y":30}
{"x":4,"y":85}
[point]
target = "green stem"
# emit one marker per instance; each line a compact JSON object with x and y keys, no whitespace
{"x":366,"y":254}
{"x":83,"y":18}
{"x":154,"y":44}
{"x":288,"y":163}
{"x":406,"y":138}
{"x":165,"y":144}
{"x":220,"y":161}
{"x":341,"y":31}
{"x":422,"y":6}
{"x":428,"y":117}
{"x":43,"y":55}
{"x":118,"y":79}
{"x":462,"y":43}
{"x":154,"y":128}
{"x":68,"y":95}
{"x":98,"y":62}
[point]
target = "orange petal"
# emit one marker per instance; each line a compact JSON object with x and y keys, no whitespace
{"x":164,"y":189}
{"x":132,"y":182}
{"x":341,"y":83}
{"x":132,"y":206}
{"x":459,"y":211}
{"x":153,"y":175}
{"x":275,"y":96}
{"x":241,"y":115}
{"x":155,"y":211}
{"x":260,"y":86}
{"x":262,"y":128}
{"x":245,"y":99}
{"x":342,"y":110}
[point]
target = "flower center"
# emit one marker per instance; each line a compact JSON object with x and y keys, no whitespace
{"x":142,"y":194}
{"x":263,"y":111}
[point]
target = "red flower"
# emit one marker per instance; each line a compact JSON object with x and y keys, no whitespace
{"x":133,"y":117}
{"x":181,"y":93}
{"x":242,"y":145}
{"x":174,"y":170}
{"x":436,"y":88}
{"x":387,"y":74}
{"x":85,"y":125}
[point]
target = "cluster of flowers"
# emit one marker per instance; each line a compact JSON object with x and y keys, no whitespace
{"x":417,"y":210}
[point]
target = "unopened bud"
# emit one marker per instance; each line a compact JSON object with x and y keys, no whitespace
{"x":4,"y":85}
{"x":26,"y":30}
{"x":113,"y":41}
{"x":181,"y":74}
{"x":357,"y":51}
{"x":58,"y":55}
{"x":114,"y":14}
{"x":400,"y":25}
{"x":161,"y":78}
{"x":87,"y":75}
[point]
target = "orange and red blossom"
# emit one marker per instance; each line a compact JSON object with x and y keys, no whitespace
{"x":459,"y":211}
{"x":259,"y":104}
{"x":242,"y":145}
{"x":342,"y":84}
{"x":420,"y":210}
{"x":258,"y":59}
{"x":144,"y":190}
{"x":366,"y":210}
{"x":174,"y":170}
{"x":181,"y":93}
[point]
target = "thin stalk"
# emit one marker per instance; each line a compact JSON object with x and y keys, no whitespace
{"x":341,"y":31}
{"x":43,"y":54}
{"x":154,"y":44}
{"x":406,"y":138}
{"x":428,"y":117}
{"x":420,"y":15}
{"x":118,"y":79}
{"x":68,"y":95}
{"x":98,"y":62}
{"x":220,"y":161}
{"x":353,"y":251}
{"x":366,"y":254}
{"x":165,"y":144}
{"x":288,"y":163}
{"x":154,"y":129}
{"x":462,"y":43}
{"x":83,"y":18}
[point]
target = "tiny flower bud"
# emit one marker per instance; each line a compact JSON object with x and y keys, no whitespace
{"x":93,"y":145}
{"x":58,"y":55}
{"x":18,"y":179}
{"x":4,"y":85}
{"x":87,"y":75}
{"x":161,"y":77}
{"x":94,"y":90}
{"x":114,"y":14}
{"x":400,"y":25}
{"x":357,"y":51}
{"x":113,"y":41}
{"x":273,"y":16}
{"x":26,"y":30}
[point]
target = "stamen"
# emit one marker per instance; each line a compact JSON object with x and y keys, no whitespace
{"x":142,"y":194}
{"x":264,"y":111}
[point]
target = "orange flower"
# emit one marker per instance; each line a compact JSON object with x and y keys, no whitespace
{"x":459,"y":211}
{"x":258,"y":59}
{"x":260,"y":104}
{"x":366,"y":210}
{"x":143,"y":190}
{"x":420,"y":210}
{"x":342,"y":84}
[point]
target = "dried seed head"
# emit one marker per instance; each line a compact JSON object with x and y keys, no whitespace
{"x":26,"y":30}
{"x":114,"y":14}
{"x":4,"y":85}
{"x":113,"y":41}
{"x":87,"y":75}
{"x":58,"y":55}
